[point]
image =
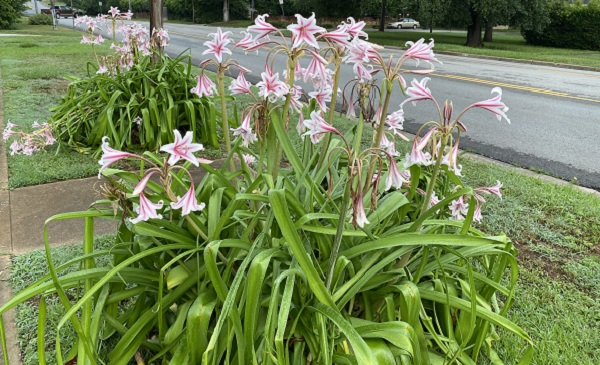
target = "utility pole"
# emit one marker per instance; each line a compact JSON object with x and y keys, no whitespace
{"x":156,"y":19}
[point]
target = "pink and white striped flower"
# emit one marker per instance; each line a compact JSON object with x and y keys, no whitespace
{"x":495,"y":190}
{"x":494,"y":105}
{"x":359,"y":218}
{"x":139,"y":188}
{"x":425,"y":139}
{"x":339,"y":36}
{"x":315,"y":69}
{"x":8,"y":131}
{"x":240,"y":85}
{"x":458,"y":209}
{"x":271,"y":86}
{"x":245,"y":42}
{"x":363,"y":73}
{"x":245,"y":131}
{"x":183,"y":148}
{"x":162,"y":36}
{"x":188,"y":202}
{"x":248,"y":159}
{"x":204,"y":87}
{"x":146,"y":210}
{"x":295,"y":103}
{"x":304,"y":31}
{"x":261,"y":27}
{"x":300,"y":127}
{"x":322,"y":97}
{"x":110,"y":155}
{"x":114,"y":11}
{"x":395,"y":122}
{"x":417,"y":157}
{"x":356,"y":29}
{"x":317,"y":127}
{"x":217,"y":46}
{"x":418,"y":91}
{"x":394,"y":178}
{"x":388,"y":146}
{"x":421,"y":51}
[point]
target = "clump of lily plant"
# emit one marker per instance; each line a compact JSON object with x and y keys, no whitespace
{"x":336,"y":255}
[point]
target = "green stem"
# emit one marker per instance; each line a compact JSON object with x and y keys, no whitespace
{"x":361,"y":124}
{"x":285,"y":118}
{"x":337,"y":241}
{"x":336,"y":82}
{"x":388,"y":86}
{"x":224,"y":120}
{"x":434,"y":174}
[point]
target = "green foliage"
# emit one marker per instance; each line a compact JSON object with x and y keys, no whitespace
{"x":10,"y":12}
{"x":568,"y":27}
{"x":40,"y":19}
{"x":158,"y":93}
{"x":205,"y":11}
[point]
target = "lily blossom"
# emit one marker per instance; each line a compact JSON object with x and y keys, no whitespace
{"x":304,"y":31}
{"x":295,"y":103}
{"x":110,"y":155}
{"x":188,"y":202}
{"x":417,"y":157}
{"x":315,"y":69}
{"x":146,"y":210}
{"x":240,"y":85}
{"x":421,"y":51}
{"x":248,"y":159}
{"x":246,"y":42}
{"x":204,"y":87}
{"x":388,"y":146}
{"x":322,"y":96}
{"x":395,"y":122}
{"x":317,"y":127}
{"x":261,"y":27}
{"x":217,"y":46}
{"x":272,"y":86}
{"x":339,"y":36}
{"x":301,"y":127}
{"x":183,"y":148}
{"x":245,"y":130}
{"x":139,"y":188}
{"x":491,"y":190}
{"x":394,"y":178}
{"x":356,"y":29}
{"x":418,"y":91}
{"x":494,"y":105}
{"x":458,"y":209}
{"x":425,"y":139}
{"x":359,"y":218}
{"x":113,"y":11}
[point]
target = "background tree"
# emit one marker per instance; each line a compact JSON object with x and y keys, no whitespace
{"x":10,"y":12}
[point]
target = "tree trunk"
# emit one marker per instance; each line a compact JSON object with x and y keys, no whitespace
{"x":156,"y":19}
{"x":382,"y":19}
{"x":225,"y":10}
{"x":474,"y":30}
{"x":489,"y":30}
{"x":432,"y":17}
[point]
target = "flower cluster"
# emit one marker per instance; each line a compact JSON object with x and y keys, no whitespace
{"x":147,"y":207}
{"x":27,"y":143}
{"x":136,"y":40}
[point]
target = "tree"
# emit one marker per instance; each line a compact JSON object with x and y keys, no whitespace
{"x":10,"y":12}
{"x":225,"y":10}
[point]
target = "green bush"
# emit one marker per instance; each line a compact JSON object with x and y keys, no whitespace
{"x":10,"y":12}
{"x":40,"y":19}
{"x":105,"y":105}
{"x":569,"y":27}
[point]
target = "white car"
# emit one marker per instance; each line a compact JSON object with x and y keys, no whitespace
{"x":404,"y":24}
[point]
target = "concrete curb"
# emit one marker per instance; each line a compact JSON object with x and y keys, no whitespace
{"x":514,"y":60}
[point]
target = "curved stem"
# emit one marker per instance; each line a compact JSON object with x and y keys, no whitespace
{"x":380,"y":129}
{"x":224,"y":120}
{"x":336,"y":82}
{"x":285,"y":115}
{"x":337,"y":241}
{"x":434,"y":174}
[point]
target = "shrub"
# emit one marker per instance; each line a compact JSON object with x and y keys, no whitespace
{"x":568,"y":27}
{"x":10,"y":12}
{"x":343,"y":258}
{"x":135,"y":98}
{"x":40,"y":19}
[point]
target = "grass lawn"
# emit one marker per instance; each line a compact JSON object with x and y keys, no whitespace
{"x":505,"y":44}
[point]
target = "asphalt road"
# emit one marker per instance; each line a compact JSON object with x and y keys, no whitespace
{"x":555,"y":112}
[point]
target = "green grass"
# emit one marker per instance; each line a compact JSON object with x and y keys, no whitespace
{"x":32,"y":78}
{"x":505,"y":44}
{"x":25,"y":270}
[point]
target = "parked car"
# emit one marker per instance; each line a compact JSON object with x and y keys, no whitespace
{"x":62,"y":11}
{"x":404,"y":24}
